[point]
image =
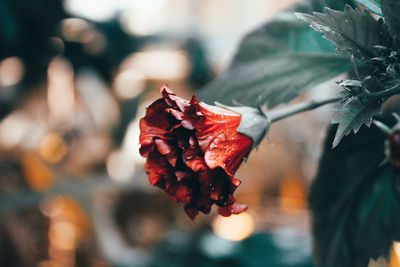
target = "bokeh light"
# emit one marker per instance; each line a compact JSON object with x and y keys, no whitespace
{"x":119,"y":166}
{"x":234,"y":228}
{"x":13,"y":129}
{"x":129,"y":84}
{"x":11,"y":71}
{"x":159,"y":64}
{"x":37,"y":173}
{"x":60,"y":90}
{"x":53,"y":148}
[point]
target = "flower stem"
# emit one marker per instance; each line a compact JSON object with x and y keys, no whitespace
{"x":383,"y":127}
{"x":285,"y":112}
{"x":386,"y":93}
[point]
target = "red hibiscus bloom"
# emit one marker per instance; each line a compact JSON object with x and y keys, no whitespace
{"x":193,"y":151}
{"x":393,"y":147}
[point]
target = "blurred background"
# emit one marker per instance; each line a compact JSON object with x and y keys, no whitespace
{"x":75,"y":78}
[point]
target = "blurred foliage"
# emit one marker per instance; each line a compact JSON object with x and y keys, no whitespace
{"x":206,"y":249}
{"x":391,"y":10}
{"x":279,"y":61}
{"x":373,"y":5}
{"x":355,"y":201}
{"x":33,"y":33}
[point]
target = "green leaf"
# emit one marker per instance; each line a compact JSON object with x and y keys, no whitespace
{"x":378,"y":212}
{"x":391,"y":12}
{"x":279,"y":61}
{"x":352,"y":115}
{"x":352,"y":30}
{"x":373,"y":5}
{"x":355,"y":201}
{"x":275,"y":79}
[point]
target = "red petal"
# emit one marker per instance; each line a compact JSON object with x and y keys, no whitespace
{"x":236,"y":182}
{"x":155,"y":124}
{"x":219,"y":140}
{"x":203,"y":204}
{"x":191,"y":211}
{"x":183,"y":194}
{"x":227,"y":153}
{"x":207,"y":142}
{"x":187,"y":124}
{"x":180,"y":175}
{"x":176,"y":113}
{"x":163,"y":147}
{"x":173,"y":100}
{"x":172,"y":158}
{"x":233,"y":209}
{"x":157,"y":168}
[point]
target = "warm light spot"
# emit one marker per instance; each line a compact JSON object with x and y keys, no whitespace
{"x":75,"y":29}
{"x":97,"y":10}
{"x":142,"y":22}
{"x":11,"y":71}
{"x":62,"y":235}
{"x":395,"y":255}
{"x":52,"y":207}
{"x":161,"y":65}
{"x":66,"y":209}
{"x":37,"y":174}
{"x":68,"y":226}
{"x":81,"y":31}
{"x":61,"y":90}
{"x":131,"y":145}
{"x":53,"y":148}
{"x":119,"y":166}
{"x":13,"y":129}
{"x":292,"y":195}
{"x":96,"y":95}
{"x":103,"y":10}
{"x":235,"y":227}
{"x":129,"y":84}
{"x":48,"y":263}
{"x":96,"y":43}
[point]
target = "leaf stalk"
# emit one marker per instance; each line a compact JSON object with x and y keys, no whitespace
{"x":282,"y":113}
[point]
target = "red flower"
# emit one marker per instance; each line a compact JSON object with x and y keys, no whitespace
{"x":393,"y":147}
{"x":193,"y":151}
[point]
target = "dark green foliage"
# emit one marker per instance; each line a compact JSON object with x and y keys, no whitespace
{"x":275,"y":79}
{"x":368,"y":41}
{"x":391,"y":12}
{"x":352,"y":114}
{"x":204,"y":249}
{"x":278,"y":61}
{"x":352,"y":31}
{"x":354,"y":201}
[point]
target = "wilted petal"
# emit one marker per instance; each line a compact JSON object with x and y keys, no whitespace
{"x":193,"y":151}
{"x":163,"y":147}
{"x":191,"y":211}
{"x":235,"y":208}
{"x":183,"y":194}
